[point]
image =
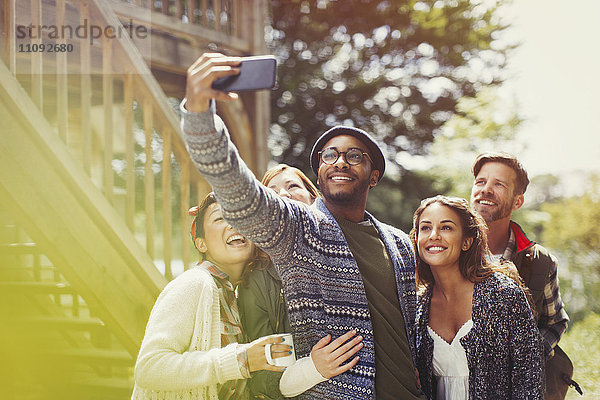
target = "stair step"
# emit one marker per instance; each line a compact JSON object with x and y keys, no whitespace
{"x":94,"y":356}
{"x":37,"y":287}
{"x":23,"y":273}
{"x":28,"y":268}
{"x":52,"y":322}
{"x":121,"y":384}
{"x":19,"y":248}
{"x":8,"y":231}
{"x":94,"y":387}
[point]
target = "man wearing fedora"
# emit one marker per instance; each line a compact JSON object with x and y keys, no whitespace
{"x":341,"y":268}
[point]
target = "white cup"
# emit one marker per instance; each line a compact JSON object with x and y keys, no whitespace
{"x":281,"y":361}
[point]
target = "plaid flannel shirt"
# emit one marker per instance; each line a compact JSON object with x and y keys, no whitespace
{"x":552,"y":321}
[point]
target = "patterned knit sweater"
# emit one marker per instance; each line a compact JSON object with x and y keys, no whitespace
{"x":504,"y":348}
{"x":321,"y":280}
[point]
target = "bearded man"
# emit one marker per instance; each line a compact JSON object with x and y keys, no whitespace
{"x":340,"y":267}
{"x":498,"y":190}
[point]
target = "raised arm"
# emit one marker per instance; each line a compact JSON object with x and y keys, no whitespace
{"x":200,"y":76}
{"x":256,"y":212}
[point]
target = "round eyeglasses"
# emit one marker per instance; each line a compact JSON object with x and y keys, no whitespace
{"x":353,"y":156}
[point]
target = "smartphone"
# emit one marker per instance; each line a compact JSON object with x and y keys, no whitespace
{"x":256,"y":73}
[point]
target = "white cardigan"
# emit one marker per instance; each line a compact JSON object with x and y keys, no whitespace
{"x":181,"y":355}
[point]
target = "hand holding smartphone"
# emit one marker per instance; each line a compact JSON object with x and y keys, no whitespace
{"x":256,"y":73}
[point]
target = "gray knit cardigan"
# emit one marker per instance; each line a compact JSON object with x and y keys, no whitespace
{"x":504,"y":348}
{"x":321,"y":280}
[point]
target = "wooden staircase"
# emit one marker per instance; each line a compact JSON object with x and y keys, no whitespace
{"x":54,"y":344}
{"x":95,"y":184}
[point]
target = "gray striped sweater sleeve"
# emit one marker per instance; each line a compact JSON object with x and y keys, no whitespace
{"x":258,"y":213}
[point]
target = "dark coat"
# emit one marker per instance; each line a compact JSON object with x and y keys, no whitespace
{"x":504,"y":348}
{"x":538,"y":268}
{"x":263,"y":312}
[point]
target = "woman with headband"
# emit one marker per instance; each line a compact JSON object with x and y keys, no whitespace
{"x":193,"y":347}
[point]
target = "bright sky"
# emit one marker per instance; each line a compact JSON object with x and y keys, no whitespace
{"x":555,"y":78}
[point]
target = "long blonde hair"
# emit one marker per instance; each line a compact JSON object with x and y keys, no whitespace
{"x":279,"y":168}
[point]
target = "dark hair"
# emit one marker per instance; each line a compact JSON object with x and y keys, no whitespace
{"x":278,"y":169}
{"x":508,"y":160}
{"x":258,"y":258}
{"x":475,"y":263}
{"x":198,"y":212}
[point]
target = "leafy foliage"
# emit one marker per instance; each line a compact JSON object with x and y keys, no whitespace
{"x":396,"y":206}
{"x":395,"y":68}
{"x":482,"y":123}
{"x":573,"y":231}
{"x":582,"y":344}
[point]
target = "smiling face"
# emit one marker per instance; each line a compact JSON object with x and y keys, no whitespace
{"x":222,"y":245}
{"x":288,"y":184}
{"x":342,"y":183}
{"x":493,"y":192}
{"x":440,"y":237}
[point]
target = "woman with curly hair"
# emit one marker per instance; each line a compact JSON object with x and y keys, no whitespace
{"x":476,"y":335}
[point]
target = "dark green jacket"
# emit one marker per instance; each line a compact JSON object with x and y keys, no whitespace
{"x":263,"y":312}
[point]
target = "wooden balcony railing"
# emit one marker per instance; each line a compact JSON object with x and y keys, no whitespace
{"x":105,"y":105}
{"x":219,"y":15}
{"x":232,"y":26}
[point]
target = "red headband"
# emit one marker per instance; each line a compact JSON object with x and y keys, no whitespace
{"x":194,"y":212}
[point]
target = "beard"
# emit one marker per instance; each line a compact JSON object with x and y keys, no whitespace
{"x":503,"y":210}
{"x":344,"y":197}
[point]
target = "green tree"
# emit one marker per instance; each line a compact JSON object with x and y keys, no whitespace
{"x":573,"y":232}
{"x":483,"y":123}
{"x":394,"y":68}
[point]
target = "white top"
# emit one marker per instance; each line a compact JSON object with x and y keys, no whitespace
{"x":181,"y":355}
{"x":450,"y":365}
